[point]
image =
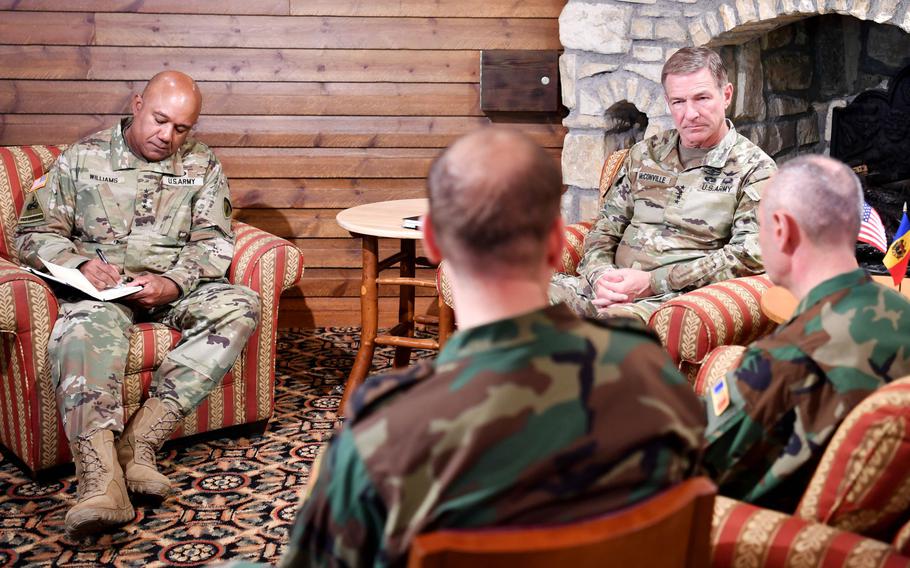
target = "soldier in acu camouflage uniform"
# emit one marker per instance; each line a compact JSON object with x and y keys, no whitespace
{"x":155,"y":205}
{"x":529,"y":415}
{"x":770,"y":420}
{"x":681,"y":213}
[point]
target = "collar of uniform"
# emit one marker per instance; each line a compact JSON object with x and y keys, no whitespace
{"x":502,"y":333}
{"x":122,"y":158}
{"x":665,"y":145}
{"x":830,"y":286}
{"x":715,"y":158}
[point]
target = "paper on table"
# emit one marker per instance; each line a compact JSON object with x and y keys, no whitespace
{"x":73,"y":277}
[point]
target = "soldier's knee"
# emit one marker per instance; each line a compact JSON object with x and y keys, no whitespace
{"x":94,"y":323}
{"x":238,"y":303}
{"x":248,"y":302}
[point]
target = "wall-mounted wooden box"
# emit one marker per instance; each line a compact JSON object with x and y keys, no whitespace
{"x":519,"y":81}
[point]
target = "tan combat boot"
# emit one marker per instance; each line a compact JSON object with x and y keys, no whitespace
{"x":101,"y":498}
{"x":150,"y":427}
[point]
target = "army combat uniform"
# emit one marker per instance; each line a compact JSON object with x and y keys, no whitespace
{"x":539,"y":419}
{"x":770,"y":420}
{"x":688,"y":227}
{"x":170,"y":218}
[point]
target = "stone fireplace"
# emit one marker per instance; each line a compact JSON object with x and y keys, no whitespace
{"x":792,"y":62}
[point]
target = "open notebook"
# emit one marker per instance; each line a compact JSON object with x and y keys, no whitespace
{"x":75,"y":279}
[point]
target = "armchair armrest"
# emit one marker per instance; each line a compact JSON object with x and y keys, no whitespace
{"x":719,"y":362}
{"x":27,"y":304}
{"x":692,"y":325}
{"x":28,"y":311}
{"x":575,"y":246}
{"x":262,"y":259}
{"x":746,"y":535}
{"x":268,"y":265}
{"x":902,"y":540}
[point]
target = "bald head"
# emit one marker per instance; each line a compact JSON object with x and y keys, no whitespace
{"x":177,"y":86}
{"x":822,"y":194}
{"x":494,"y":195}
{"x":163,"y":115}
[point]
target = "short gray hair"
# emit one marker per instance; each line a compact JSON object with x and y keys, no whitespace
{"x":823,"y":194}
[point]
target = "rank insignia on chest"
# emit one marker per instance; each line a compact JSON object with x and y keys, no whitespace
{"x":720,"y":396}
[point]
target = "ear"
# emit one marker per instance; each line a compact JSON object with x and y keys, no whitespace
{"x":136,"y":104}
{"x":787,"y":235}
{"x":429,"y":241}
{"x":728,"y":94}
{"x":556,"y":243}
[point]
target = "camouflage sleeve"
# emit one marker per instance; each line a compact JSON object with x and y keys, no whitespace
{"x":604,"y":237}
{"x":742,"y":444}
{"x":741,"y":256}
{"x":343,"y":519}
{"x":47,"y":219}
{"x":208,"y":254}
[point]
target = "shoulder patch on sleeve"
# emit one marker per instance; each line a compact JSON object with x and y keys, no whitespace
{"x":38,"y":184}
{"x":378,"y":389}
{"x":720,"y":396}
{"x":32,"y":212}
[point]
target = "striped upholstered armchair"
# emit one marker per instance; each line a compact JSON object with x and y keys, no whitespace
{"x":29,"y":422}
{"x":857,"y":502}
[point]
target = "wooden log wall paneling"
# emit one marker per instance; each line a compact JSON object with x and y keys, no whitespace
{"x":313,"y":106}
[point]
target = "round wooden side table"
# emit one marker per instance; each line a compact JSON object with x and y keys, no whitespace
{"x":370,"y":222}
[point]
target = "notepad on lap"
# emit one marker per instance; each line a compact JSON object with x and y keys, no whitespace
{"x":74,"y":278}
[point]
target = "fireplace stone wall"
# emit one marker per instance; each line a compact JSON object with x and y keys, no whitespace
{"x":614,"y":51}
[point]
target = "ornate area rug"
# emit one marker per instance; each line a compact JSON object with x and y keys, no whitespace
{"x":234,"y":497}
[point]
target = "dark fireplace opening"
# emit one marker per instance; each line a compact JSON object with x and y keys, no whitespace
{"x":872,"y":135}
{"x":831,"y":84}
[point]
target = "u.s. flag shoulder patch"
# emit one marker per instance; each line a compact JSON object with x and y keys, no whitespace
{"x":39,"y":183}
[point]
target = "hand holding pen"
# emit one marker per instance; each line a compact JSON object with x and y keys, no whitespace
{"x":100,"y":272}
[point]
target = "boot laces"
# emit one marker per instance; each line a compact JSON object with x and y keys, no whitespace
{"x":158,"y":433}
{"x":93,"y":469}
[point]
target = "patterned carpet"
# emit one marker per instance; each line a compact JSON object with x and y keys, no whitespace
{"x":234,"y":497}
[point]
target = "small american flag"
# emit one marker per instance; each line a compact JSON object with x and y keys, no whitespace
{"x":871,"y":231}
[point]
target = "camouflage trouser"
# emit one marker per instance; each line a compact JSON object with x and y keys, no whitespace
{"x":90,"y":343}
{"x":578,"y":295}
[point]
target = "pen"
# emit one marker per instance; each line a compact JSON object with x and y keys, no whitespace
{"x":103,"y":258}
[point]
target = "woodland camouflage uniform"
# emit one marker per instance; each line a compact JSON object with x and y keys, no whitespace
{"x":539,"y":419}
{"x":170,"y":218}
{"x":792,"y":389}
{"x":688,"y":227}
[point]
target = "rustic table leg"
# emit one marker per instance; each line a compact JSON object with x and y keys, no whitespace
{"x":406,"y":301}
{"x":369,"y":317}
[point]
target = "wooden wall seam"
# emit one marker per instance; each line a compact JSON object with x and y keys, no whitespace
{"x":312,"y":106}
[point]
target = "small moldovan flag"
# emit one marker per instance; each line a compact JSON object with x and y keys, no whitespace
{"x":899,"y":253}
{"x":871,"y":231}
